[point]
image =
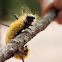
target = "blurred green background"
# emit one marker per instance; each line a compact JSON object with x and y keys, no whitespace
{"x":9,"y":6}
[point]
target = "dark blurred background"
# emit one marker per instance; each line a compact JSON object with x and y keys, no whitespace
{"x":0,"y":8}
{"x":9,"y":6}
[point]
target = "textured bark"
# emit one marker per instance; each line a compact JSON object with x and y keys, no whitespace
{"x":18,"y":42}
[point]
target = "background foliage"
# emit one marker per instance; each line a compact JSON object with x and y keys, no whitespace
{"x":14,"y":6}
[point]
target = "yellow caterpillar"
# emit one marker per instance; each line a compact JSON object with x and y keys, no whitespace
{"x":15,"y":28}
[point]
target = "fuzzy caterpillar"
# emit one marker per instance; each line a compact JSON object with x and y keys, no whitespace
{"x":15,"y":28}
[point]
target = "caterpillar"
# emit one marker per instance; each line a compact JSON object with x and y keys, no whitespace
{"x":23,"y":22}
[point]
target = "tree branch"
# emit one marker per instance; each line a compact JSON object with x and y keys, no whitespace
{"x":18,"y":42}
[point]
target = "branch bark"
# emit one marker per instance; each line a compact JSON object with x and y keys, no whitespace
{"x":18,"y":42}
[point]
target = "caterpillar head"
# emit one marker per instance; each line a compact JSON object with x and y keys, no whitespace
{"x":28,"y":21}
{"x":30,"y":17}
